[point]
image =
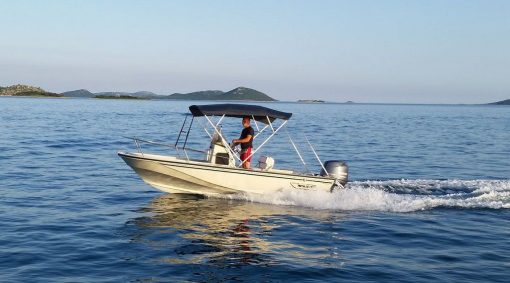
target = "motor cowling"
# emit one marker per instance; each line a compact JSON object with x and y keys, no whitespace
{"x":336,"y":169}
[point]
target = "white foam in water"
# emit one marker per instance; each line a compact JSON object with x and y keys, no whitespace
{"x":396,"y":195}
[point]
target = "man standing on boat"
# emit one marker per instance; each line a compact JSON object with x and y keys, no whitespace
{"x":246,"y":141}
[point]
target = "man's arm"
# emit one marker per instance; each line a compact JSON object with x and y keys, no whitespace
{"x":246,"y":139}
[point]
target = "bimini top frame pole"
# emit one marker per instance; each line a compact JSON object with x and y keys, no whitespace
{"x":260,"y":132}
{"x":182,"y":128}
{"x":258,"y":114}
{"x":297,"y":151}
{"x":225,"y":143}
{"x":316,"y":156}
{"x":186,"y":139}
{"x":266,"y":140}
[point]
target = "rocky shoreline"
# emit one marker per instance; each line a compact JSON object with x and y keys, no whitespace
{"x":26,"y":90}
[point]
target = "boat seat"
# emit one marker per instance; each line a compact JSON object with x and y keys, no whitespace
{"x":266,"y":163}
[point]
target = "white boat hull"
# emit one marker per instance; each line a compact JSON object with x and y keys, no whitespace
{"x":175,"y":175}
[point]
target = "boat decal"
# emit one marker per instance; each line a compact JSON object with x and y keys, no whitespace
{"x":303,"y":186}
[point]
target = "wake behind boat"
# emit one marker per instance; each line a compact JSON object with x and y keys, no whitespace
{"x":220,"y":172}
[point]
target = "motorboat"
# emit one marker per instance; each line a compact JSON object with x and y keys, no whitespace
{"x":220,"y":171}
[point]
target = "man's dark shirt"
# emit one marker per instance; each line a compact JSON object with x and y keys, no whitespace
{"x":245,"y":133}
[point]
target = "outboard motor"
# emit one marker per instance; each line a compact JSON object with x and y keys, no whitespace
{"x":336,"y":169}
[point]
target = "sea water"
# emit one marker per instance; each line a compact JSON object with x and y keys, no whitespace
{"x":428,"y":198}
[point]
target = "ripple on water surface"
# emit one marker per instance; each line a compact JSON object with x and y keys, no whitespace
{"x":435,"y":210}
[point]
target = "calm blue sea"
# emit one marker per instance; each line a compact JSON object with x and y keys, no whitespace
{"x":428,"y":201}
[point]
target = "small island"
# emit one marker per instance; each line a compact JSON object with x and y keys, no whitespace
{"x":117,"y":97}
{"x":26,"y":90}
{"x":311,"y":101}
{"x":502,"y":102}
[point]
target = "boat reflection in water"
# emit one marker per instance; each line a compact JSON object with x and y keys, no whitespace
{"x":191,"y":229}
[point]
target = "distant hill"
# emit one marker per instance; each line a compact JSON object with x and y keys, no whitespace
{"x":244,"y":93}
{"x":88,"y":94}
{"x":118,"y":97}
{"x":502,"y":102}
{"x":26,"y":90}
{"x":240,"y":93}
{"x":197,"y":95}
{"x":145,"y":94}
{"x":134,"y":94}
{"x":78,"y":93}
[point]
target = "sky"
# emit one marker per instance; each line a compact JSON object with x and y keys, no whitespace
{"x":445,"y":51}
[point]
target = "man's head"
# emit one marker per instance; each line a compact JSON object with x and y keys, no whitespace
{"x":246,"y":121}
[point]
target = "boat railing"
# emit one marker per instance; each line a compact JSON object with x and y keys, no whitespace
{"x":138,"y":142}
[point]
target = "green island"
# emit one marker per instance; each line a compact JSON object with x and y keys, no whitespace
{"x":239,"y":93}
{"x":502,"y":102}
{"x":311,"y":101}
{"x":117,"y":97}
{"x":236,"y":94}
{"x":26,"y":90}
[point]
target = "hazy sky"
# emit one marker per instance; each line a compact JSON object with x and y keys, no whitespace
{"x":365,"y":51}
